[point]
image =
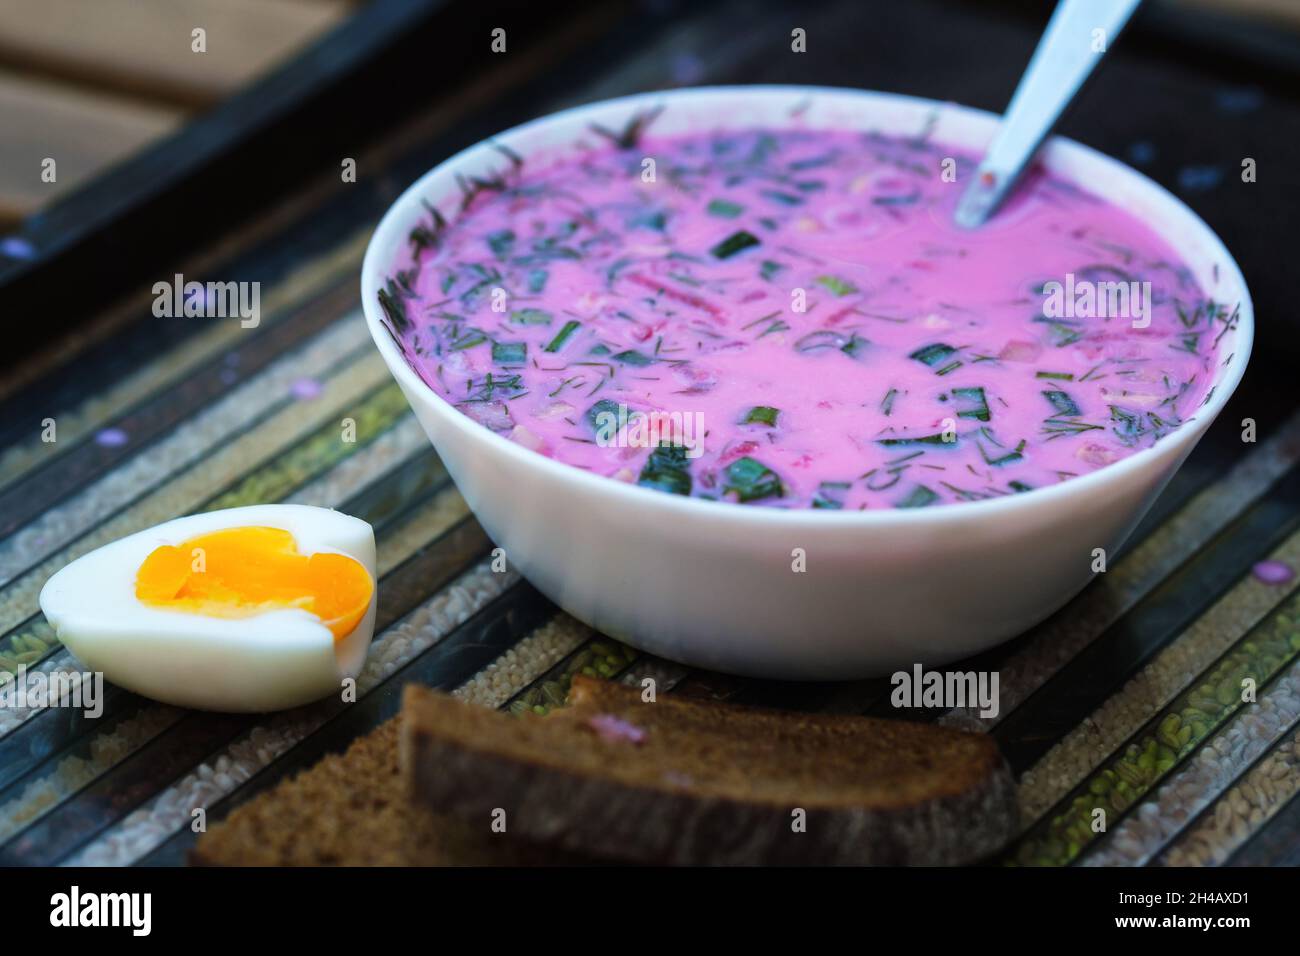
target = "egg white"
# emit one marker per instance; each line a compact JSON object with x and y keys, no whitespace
{"x":270,"y":661}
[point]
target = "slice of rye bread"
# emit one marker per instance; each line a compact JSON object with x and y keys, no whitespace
{"x":686,"y":782}
{"x":351,"y":809}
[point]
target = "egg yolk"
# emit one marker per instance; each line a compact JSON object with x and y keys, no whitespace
{"x":239,"y":572}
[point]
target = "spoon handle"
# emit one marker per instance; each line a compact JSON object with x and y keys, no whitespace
{"x":1076,"y":38}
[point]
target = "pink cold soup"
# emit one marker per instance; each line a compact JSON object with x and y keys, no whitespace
{"x":790,"y":318}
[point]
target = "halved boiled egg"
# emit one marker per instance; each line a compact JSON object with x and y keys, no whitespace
{"x":247,"y":609}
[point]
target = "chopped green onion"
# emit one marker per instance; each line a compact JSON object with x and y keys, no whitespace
{"x":811,"y":162}
{"x":830,"y":494}
{"x":509,"y":353}
{"x":470,"y":339}
{"x":920,"y":497}
{"x":557,"y":343}
{"x":838,"y":287}
{"x":1062,"y":333}
{"x":761,"y":415}
{"x":653,"y":219}
{"x":500,"y":242}
{"x":725,"y":209}
{"x":923,"y":440}
{"x":855,"y":346}
{"x":632,"y":357}
{"x":736,"y":242}
{"x":606,"y":406}
{"x":667,"y":469}
{"x":751,"y":480}
{"x":1002,"y":460}
{"x":1062,"y":402}
{"x":978,"y":407}
{"x":899,"y":200}
{"x":531,"y":317}
{"x":785,"y":199}
{"x":932,"y":355}
{"x":1128,"y":425}
{"x":395,"y":308}
{"x":1056,"y":427}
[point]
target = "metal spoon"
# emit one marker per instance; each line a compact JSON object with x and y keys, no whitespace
{"x":1077,"y":37}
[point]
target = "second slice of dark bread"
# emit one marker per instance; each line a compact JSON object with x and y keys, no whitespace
{"x":688,"y":782}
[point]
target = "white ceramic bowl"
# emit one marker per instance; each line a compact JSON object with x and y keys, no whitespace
{"x":711,"y":584}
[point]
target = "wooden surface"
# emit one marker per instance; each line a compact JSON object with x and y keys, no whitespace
{"x":145,"y":46}
{"x":1285,"y":13}
{"x":83,"y":131}
{"x":207,"y":416}
{"x":88,"y":82}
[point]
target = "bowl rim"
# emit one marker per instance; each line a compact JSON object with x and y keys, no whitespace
{"x":409,"y":207}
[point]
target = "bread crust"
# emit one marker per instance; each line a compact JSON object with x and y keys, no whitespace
{"x":562,"y":784}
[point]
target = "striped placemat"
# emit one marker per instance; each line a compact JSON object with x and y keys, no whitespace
{"x":1127,"y":699}
{"x":1131,"y":695}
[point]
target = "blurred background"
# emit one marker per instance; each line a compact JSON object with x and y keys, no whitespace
{"x":92,"y":82}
